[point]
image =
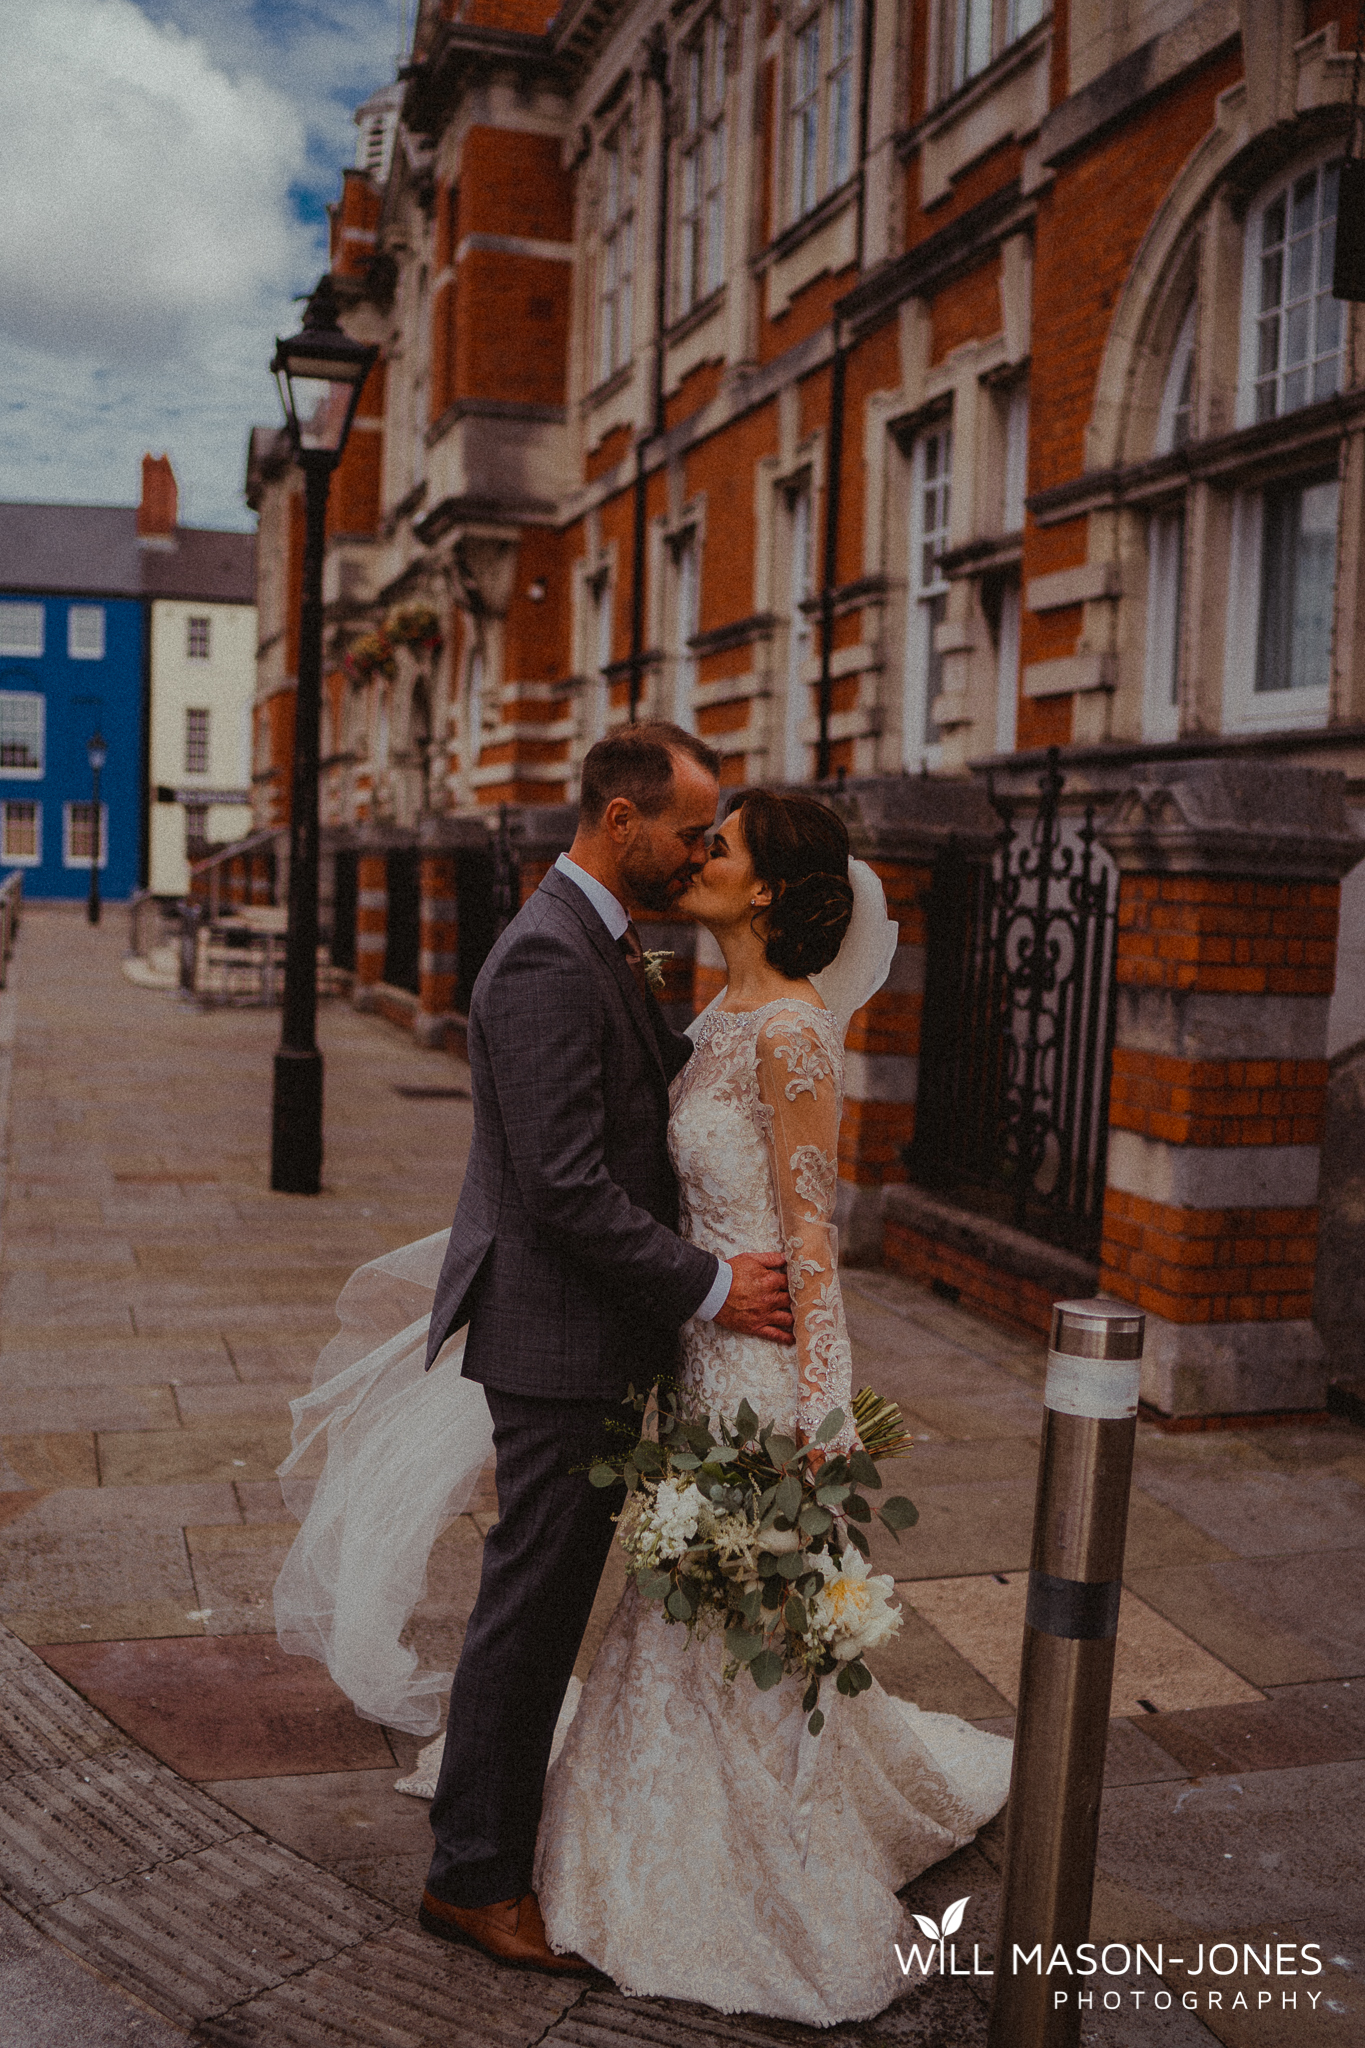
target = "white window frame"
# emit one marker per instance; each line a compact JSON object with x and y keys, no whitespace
{"x":21,"y":860}
{"x":822,"y":103}
{"x":22,"y":630}
{"x":1015,"y":484}
{"x":1007,"y":670}
{"x":80,"y":617}
{"x":976,"y":32}
{"x":1249,"y":410}
{"x":923,"y":593}
{"x":799,"y":510}
{"x":192,"y":712}
{"x":82,"y":860}
{"x":699,"y":243}
{"x":1165,"y":621}
{"x":685,"y":547}
{"x":204,"y":653}
{"x":1245,"y":708}
{"x":1175,"y":415}
{"x":614,"y":341}
{"x":597,"y":589}
{"x":36,"y":704}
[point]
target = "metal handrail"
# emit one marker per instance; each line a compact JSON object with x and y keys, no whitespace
{"x":210,"y":867}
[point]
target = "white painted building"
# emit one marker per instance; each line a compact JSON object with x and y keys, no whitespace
{"x":200,"y":587}
{"x":203,"y":676}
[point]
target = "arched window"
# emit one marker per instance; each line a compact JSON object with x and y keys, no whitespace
{"x":1292,"y":327}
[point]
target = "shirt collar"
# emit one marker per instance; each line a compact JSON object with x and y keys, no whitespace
{"x":603,"y":902}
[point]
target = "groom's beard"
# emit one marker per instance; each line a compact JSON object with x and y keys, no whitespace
{"x":658,"y":892}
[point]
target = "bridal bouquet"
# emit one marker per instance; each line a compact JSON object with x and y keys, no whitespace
{"x":747,"y":1532}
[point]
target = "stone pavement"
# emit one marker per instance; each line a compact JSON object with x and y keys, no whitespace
{"x":199,"y":1837}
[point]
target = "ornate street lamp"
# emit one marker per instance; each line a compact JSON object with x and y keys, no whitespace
{"x":320,"y":372}
{"x":96,"y":753}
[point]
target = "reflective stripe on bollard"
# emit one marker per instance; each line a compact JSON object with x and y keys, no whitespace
{"x":1066,"y":1672}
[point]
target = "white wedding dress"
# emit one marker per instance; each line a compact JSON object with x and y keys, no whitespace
{"x":696,"y":1841}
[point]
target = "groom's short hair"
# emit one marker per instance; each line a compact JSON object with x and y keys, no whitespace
{"x":637,"y":762}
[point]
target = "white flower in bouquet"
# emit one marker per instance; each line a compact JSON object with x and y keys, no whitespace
{"x":855,"y":1610}
{"x":670,"y":1522}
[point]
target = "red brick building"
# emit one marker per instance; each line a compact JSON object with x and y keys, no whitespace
{"x":872,"y":386}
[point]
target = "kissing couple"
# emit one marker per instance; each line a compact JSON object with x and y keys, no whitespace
{"x":639,"y":1205}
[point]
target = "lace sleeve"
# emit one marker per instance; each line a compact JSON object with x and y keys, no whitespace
{"x":799,"y":1086}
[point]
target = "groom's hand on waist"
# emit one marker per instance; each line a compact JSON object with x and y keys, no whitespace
{"x":758,"y":1304}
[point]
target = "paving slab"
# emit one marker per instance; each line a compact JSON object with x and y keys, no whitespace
{"x":38,"y":1410}
{"x":49,"y":2000}
{"x":102,"y":1818}
{"x":983,"y":1618}
{"x":223,"y":1706}
{"x":334,"y":1818}
{"x":205,"y":1932}
{"x":108,"y":1621}
{"x":48,"y":1570}
{"x":1263,"y":1513}
{"x":220,"y":1448}
{"x":399,"y":1989}
{"x":1295,"y":1724}
{"x":1272,"y":1619}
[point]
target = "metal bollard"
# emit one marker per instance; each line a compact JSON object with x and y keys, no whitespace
{"x":1085,"y":1466}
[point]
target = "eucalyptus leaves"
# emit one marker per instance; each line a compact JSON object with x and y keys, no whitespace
{"x":746,"y":1531}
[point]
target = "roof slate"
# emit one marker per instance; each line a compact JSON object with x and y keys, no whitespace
{"x":93,"y":551}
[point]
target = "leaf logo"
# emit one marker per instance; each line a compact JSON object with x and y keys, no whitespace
{"x":952,"y":1920}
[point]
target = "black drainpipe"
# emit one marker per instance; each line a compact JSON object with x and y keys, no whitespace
{"x":657,"y":70}
{"x":835,"y":462}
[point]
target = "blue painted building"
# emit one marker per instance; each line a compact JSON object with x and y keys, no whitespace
{"x":78,"y":584}
{"x":71,"y":666}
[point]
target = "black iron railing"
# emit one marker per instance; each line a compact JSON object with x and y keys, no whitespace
{"x":1018,"y":1023}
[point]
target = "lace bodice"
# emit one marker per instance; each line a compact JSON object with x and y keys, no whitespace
{"x":754,"y":1136}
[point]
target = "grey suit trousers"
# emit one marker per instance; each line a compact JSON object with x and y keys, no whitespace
{"x":541,"y":1565}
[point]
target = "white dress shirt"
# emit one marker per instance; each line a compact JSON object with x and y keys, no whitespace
{"x":615,"y":917}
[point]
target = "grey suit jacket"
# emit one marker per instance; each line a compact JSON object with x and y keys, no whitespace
{"x":564,"y":1258}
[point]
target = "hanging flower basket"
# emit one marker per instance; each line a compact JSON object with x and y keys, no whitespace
{"x":416,"y":626}
{"x":370,"y":655}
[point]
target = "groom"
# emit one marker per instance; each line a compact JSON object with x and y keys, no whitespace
{"x":565,"y":1262}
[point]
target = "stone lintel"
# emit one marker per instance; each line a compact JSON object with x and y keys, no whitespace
{"x":1066,"y":1274}
{"x":912,"y":817}
{"x":449,"y":832}
{"x":1196,"y":1024}
{"x":1213,"y":1176}
{"x":1232,"y":1368}
{"x":380,"y":838}
{"x":1249,"y":819}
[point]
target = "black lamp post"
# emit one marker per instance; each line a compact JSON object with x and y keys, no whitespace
{"x":320,"y":372}
{"x":96,"y":753}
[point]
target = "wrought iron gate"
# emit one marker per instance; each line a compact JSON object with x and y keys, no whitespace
{"x":1018,"y":1024}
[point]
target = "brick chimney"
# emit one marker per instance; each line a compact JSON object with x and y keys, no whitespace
{"x":158,"y":512}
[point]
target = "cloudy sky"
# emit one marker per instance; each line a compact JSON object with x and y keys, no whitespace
{"x":165,"y":165}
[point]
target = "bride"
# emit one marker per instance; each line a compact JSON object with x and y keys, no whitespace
{"x":695,"y":1841}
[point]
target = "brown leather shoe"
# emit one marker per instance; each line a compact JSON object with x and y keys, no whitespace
{"x":512,"y":1931}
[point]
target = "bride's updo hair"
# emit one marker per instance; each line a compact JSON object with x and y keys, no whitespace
{"x":800,"y":849}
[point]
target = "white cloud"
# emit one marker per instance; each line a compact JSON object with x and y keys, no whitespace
{"x":150,"y":245}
